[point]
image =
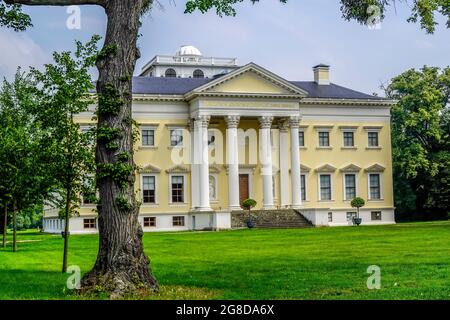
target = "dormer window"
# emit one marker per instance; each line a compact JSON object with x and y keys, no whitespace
{"x":171,"y":73}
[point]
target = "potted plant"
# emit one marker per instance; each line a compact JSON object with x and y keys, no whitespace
{"x":249,"y":204}
{"x":357,"y":203}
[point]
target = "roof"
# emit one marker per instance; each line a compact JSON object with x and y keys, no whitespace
{"x":332,"y":91}
{"x":162,"y":85}
{"x":181,"y":86}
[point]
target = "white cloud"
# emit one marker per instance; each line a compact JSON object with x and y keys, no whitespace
{"x":17,"y":49}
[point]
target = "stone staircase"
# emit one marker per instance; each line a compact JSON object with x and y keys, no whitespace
{"x":281,"y":218}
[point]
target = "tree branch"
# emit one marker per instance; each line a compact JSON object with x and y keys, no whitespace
{"x":55,"y":2}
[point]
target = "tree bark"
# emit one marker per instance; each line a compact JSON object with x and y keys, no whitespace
{"x":14,"y":227}
{"x":66,"y":230}
{"x":5,"y":225}
{"x":121,"y":266}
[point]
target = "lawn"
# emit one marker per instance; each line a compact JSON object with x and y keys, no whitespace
{"x":315,"y":263}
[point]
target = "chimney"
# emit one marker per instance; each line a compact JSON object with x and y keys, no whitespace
{"x":322,"y":74}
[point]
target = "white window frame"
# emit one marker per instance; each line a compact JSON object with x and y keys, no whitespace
{"x":354,"y":215}
{"x":381,"y":215}
{"x":331,"y":186}
{"x":345,"y":185}
{"x":306,"y":186}
{"x":330,"y":216}
{"x":343,"y":138}
{"x":184,"y":189}
{"x":149,"y":205}
{"x":150,"y":227}
{"x":301,"y":130}
{"x":381,"y":186}
{"x":373,"y":129}
{"x":148,"y":127}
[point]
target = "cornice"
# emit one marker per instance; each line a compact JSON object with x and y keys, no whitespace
{"x":348,"y":102}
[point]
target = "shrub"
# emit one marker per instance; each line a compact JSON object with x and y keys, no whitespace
{"x":249,"y":204}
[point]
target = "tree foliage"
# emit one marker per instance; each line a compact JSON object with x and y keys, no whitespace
{"x":25,"y":178}
{"x":420,"y":140}
{"x":64,"y":92}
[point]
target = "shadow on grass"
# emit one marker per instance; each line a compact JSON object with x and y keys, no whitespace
{"x":48,"y":285}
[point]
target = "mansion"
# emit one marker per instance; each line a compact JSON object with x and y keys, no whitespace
{"x":213,"y":134}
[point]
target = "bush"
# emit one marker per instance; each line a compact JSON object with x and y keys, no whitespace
{"x":249,"y":204}
{"x":358,"y":202}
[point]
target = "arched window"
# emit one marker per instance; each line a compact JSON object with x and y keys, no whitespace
{"x":199,"y":74}
{"x":171,"y":73}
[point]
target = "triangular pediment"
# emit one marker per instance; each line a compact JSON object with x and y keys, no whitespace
{"x":326,"y":168}
{"x":375,"y":168}
{"x":304,"y":168}
{"x":250,"y":79}
{"x":351,"y":168}
{"x":213,"y":168}
{"x":150,"y":169}
{"x":178,"y":169}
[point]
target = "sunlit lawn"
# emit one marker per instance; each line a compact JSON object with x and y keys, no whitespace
{"x":315,"y":263}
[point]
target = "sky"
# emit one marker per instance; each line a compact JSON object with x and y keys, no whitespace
{"x":287,"y":39}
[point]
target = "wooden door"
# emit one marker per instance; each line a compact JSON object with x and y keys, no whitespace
{"x":243,"y":188}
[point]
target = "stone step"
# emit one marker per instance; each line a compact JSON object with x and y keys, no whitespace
{"x":284,"y":218}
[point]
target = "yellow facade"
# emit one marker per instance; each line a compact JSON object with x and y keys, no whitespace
{"x":249,"y":93}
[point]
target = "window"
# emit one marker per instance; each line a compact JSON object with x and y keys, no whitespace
{"x":149,"y":222}
{"x":351,"y":215}
{"x":303,"y":186}
{"x":177,"y":189}
{"x":301,"y":138}
{"x":171,"y":73}
{"x":325,"y":187}
{"x":199,"y":74}
{"x":176,"y":137}
{"x":89,"y":224}
{"x":148,"y":189}
{"x":376,"y":215}
{"x":324,"y":139}
{"x":178,"y":221}
{"x":330,"y":216}
{"x":148,"y":137}
{"x":350,"y":186}
{"x":374,"y":186}
{"x":373,"y":139}
{"x":349,"y":139}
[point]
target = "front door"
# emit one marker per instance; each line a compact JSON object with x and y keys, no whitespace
{"x":243,"y":188}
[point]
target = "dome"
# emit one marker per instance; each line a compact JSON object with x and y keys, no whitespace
{"x":188,"y":51}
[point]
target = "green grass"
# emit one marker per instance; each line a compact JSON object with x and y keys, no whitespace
{"x":316,"y":263}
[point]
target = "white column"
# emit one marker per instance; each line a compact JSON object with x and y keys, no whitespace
{"x":295,"y":162}
{"x":195,"y":196}
{"x":201,"y":123}
{"x":233,"y":162}
{"x":266,"y":161}
{"x":284,"y":163}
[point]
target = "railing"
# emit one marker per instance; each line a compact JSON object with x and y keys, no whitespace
{"x":193,"y":60}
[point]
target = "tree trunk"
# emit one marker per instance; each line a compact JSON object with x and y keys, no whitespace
{"x":5,"y":225}
{"x":66,"y":230}
{"x":14,"y":227}
{"x":121,"y":266}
